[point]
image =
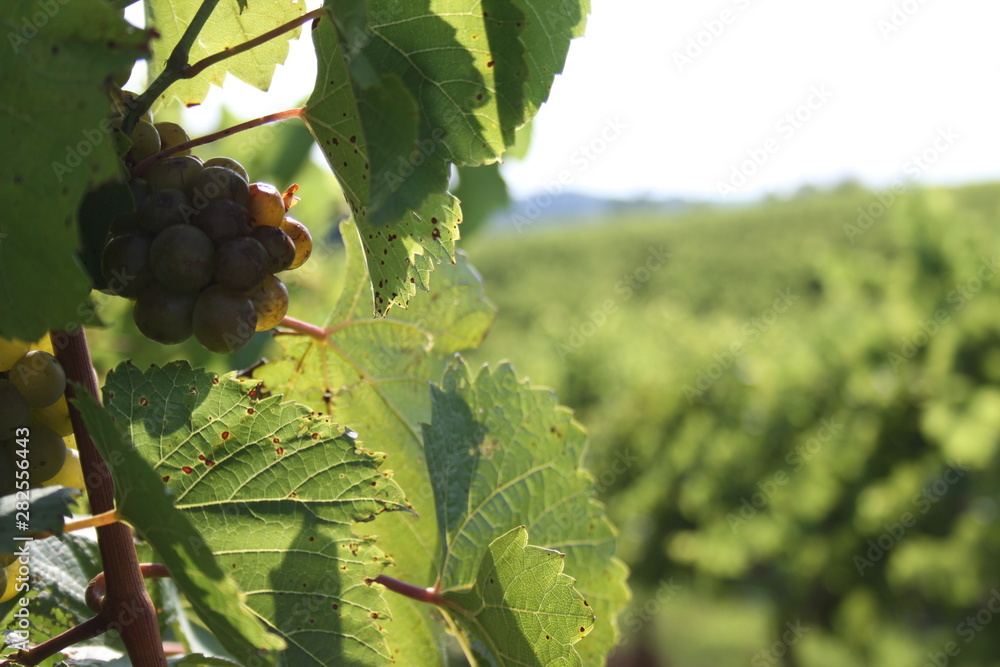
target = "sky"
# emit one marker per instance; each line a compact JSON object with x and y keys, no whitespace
{"x":734,"y":99}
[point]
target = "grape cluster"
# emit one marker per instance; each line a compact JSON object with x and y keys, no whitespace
{"x":32,"y":387}
{"x":199,"y":254}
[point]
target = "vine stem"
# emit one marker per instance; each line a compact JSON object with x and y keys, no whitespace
{"x":429,"y":595}
{"x":97,"y":588}
{"x":128,"y":607}
{"x":102,"y":519}
{"x":141,"y":168}
{"x":194,"y":70}
{"x":177,"y":67}
{"x":176,"y":64}
{"x":78,"y":633}
{"x":319,"y":333}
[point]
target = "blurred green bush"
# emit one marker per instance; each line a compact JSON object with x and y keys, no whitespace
{"x":796,"y":414}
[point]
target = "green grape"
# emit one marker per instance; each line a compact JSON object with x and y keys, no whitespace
{"x":14,"y":410}
{"x":222,"y":220}
{"x":228,"y":163}
{"x":224,"y":319}
{"x":39,"y":378}
{"x":280,"y":249}
{"x":219,"y":183}
{"x":8,"y":479}
{"x":181,"y":258}
{"x":270,"y":302}
{"x":45,"y":452}
{"x":163,"y":315}
{"x":163,"y":209}
{"x":55,"y":416}
{"x":145,"y":142}
{"x":11,"y":351}
{"x":71,"y":473}
{"x":125,"y":264}
{"x":301,"y":238}
{"x":176,"y":172}
{"x":9,"y":579}
{"x":172,"y":134}
{"x":266,"y":206}
{"x":240,"y":263}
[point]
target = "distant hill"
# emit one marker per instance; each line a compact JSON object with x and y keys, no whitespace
{"x":573,"y":208}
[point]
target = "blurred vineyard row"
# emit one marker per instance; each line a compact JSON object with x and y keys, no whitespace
{"x":794,"y":411}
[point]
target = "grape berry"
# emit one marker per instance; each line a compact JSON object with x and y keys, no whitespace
{"x":199,"y":254}
{"x":34,"y":418}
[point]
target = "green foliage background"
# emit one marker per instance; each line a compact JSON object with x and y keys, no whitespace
{"x":870,"y":403}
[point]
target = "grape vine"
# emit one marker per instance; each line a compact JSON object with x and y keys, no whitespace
{"x":232,"y":501}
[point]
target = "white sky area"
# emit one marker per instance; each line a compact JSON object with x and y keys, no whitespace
{"x":896,"y":80}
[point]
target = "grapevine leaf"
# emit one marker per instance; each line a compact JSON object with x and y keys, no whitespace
{"x":69,"y":56}
{"x":65,"y":566}
{"x":405,"y":89}
{"x":482,"y":192}
{"x":45,"y":513}
{"x":143,"y":500}
{"x":394,"y":184}
{"x":275,"y":491}
{"x":522,"y":609}
{"x":550,"y":25}
{"x":97,"y":211}
{"x":501,"y":454}
{"x":372,"y":374}
{"x":229,"y":25}
{"x":189,"y":660}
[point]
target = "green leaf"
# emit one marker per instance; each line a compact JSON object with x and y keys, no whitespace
{"x":275,"y":491}
{"x":501,"y":454}
{"x":373,"y":374}
{"x":482,"y":192}
{"x":190,"y":660}
{"x":145,"y":503}
{"x":550,"y":26}
{"x":97,"y":211}
{"x":228,"y":26}
{"x":522,"y":609}
{"x":68,"y":57}
{"x":42,"y":510}
{"x":59,"y":573}
{"x":405,"y":89}
{"x":369,"y":136}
